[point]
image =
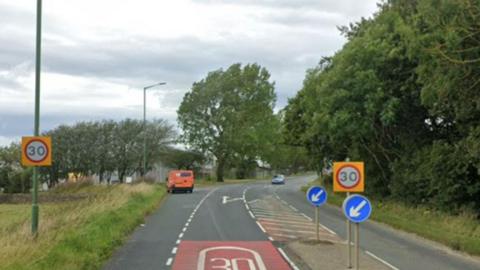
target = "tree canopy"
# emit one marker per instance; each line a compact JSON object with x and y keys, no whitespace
{"x":229,"y":114}
{"x":403,"y":96}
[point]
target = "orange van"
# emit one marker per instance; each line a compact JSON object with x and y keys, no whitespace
{"x":180,"y":180}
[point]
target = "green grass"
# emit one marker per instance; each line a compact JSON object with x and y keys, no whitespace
{"x":459,"y":232}
{"x":80,"y":234}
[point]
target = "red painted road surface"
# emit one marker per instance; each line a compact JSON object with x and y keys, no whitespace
{"x":205,"y":255}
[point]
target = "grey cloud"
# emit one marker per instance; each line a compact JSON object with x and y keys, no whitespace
{"x":348,"y":7}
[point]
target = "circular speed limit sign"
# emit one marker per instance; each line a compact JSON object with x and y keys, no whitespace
{"x":348,"y":177}
{"x":36,"y":151}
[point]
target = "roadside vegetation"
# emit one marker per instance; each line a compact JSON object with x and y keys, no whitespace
{"x":459,"y":232}
{"x":402,"y":95}
{"x":79,"y":234}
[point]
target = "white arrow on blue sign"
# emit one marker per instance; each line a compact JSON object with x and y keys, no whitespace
{"x":317,"y":195}
{"x":357,"y":208}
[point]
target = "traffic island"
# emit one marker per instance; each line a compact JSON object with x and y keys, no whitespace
{"x":327,"y":255}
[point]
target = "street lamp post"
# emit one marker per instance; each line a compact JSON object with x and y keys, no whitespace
{"x":145,"y":124}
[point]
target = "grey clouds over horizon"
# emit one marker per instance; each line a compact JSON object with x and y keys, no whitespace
{"x":96,"y":58}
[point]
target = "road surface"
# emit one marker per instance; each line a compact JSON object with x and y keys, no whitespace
{"x":247,"y":226}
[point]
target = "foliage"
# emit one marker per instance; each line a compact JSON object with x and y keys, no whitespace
{"x":229,"y":115}
{"x":403,"y":96}
{"x":89,"y":148}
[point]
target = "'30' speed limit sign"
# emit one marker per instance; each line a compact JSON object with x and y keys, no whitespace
{"x":348,"y":177}
{"x":36,"y":151}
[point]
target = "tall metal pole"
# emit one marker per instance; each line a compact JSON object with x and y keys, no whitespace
{"x":144,"y":131}
{"x":35,"y":208}
{"x":145,"y":124}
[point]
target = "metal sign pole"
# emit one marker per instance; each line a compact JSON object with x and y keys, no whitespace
{"x":35,"y":209}
{"x":349,"y":239}
{"x":317,"y":222}
{"x":357,"y":246}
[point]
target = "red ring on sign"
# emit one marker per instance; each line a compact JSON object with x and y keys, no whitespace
{"x":46,"y":150}
{"x":340,"y":182}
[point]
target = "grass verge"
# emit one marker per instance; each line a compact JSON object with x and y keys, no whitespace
{"x":79,"y":234}
{"x":459,"y":232}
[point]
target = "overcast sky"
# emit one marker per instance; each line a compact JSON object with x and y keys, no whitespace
{"x":99,"y":54}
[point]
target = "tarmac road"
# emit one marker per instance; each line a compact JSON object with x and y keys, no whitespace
{"x":245,"y":226}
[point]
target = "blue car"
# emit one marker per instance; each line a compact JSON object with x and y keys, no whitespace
{"x":278,"y":179}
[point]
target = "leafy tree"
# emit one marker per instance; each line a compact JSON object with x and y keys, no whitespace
{"x":229,"y":115}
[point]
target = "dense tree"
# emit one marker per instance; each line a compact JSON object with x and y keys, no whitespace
{"x":229,"y":115}
{"x":401,"y":95}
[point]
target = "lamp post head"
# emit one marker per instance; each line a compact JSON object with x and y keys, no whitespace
{"x":153,"y":85}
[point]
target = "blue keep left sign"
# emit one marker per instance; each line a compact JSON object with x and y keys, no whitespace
{"x":357,"y":208}
{"x":317,"y":195}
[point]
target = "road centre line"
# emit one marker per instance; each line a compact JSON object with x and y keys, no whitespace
{"x":381,"y":260}
{"x":288,"y":259}
{"x":271,"y":238}
{"x":251,"y":214}
{"x":180,"y":236}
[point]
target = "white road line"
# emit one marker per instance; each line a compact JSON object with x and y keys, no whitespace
{"x":246,"y":206}
{"x":281,"y":218}
{"x":270,"y":238}
{"x":169,"y":262}
{"x":251,"y":214}
{"x":381,"y":260}
{"x":327,"y":229}
{"x":268,"y":219}
{"x":279,"y":214}
{"x":288,"y":259}
{"x":178,"y":242}
{"x":305,"y":225}
{"x":285,"y":235}
{"x":253,"y":201}
{"x":180,"y":235}
{"x":261,"y":227}
{"x":293,"y":208}
{"x":184,"y":229}
{"x":187,"y":224}
{"x":294,"y":231}
{"x":307,"y":217}
{"x":174,"y":250}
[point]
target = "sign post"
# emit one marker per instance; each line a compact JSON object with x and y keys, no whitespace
{"x":317,"y":196}
{"x":348,"y":177}
{"x":36,"y":151}
{"x":357,"y":209}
